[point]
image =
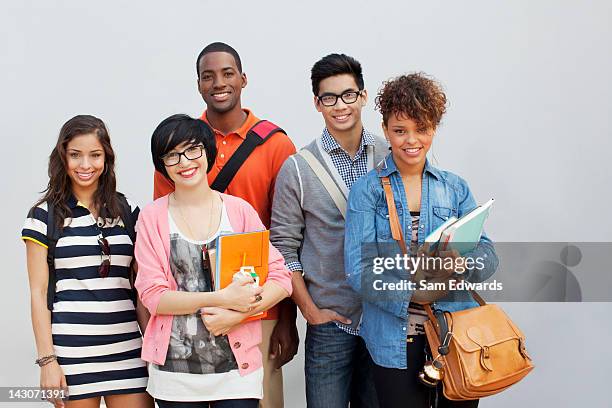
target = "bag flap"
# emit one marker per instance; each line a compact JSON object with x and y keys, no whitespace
{"x":483,"y":326}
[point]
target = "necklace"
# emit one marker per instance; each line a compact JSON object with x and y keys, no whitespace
{"x":210,"y":217}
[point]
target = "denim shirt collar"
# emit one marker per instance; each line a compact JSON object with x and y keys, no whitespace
{"x":388,"y":167}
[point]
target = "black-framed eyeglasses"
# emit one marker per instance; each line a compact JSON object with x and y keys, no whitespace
{"x":348,"y":97}
{"x":191,"y":153}
{"x":104,"y":267}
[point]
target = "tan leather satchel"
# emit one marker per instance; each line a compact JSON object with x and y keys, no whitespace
{"x":481,"y":350}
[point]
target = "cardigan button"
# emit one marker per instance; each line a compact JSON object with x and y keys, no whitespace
{"x":237,"y":344}
{"x":244,"y":366}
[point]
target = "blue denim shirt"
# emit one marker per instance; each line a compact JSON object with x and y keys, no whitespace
{"x":368,"y":234}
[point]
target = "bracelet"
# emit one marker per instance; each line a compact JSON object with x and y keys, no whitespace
{"x":43,"y":361}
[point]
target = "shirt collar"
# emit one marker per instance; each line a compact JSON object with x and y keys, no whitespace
{"x":387,"y":167}
{"x":73,"y":202}
{"x":330,"y":144}
{"x":432,"y":170}
{"x":367,"y":138}
{"x":242,"y":130}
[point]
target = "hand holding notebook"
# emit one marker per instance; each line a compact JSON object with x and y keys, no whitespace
{"x":241,"y":254}
{"x":242,"y":294}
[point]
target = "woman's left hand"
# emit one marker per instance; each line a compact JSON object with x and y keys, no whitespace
{"x":220,"y":321}
{"x":455,"y":262}
{"x":444,"y":266}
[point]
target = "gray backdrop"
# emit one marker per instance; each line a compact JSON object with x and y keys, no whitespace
{"x":528,"y":123}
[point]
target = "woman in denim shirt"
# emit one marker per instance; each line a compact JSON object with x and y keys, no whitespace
{"x":425,"y":197}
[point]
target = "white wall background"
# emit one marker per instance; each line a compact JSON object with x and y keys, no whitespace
{"x":529,"y":123}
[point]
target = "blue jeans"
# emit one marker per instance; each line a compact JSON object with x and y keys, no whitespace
{"x":338,"y":369}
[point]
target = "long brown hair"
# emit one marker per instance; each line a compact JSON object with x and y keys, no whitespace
{"x":59,"y":189}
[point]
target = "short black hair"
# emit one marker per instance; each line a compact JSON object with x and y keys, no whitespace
{"x":218,"y":47}
{"x":332,"y":65}
{"x":178,"y":129}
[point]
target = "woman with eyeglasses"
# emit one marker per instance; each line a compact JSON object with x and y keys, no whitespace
{"x":79,"y":257}
{"x":201,"y":353}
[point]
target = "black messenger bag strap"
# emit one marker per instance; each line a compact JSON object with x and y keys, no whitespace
{"x":257,"y":135}
{"x":52,"y":237}
{"x":130,"y":227}
{"x":126,"y":217}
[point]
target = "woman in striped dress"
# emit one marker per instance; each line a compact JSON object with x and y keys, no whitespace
{"x":90,"y":344}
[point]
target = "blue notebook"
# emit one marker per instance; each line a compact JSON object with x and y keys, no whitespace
{"x":463,"y":234}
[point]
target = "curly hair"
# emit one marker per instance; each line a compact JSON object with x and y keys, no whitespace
{"x":416,"y":96}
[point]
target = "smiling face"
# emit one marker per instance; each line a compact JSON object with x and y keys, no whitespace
{"x":341,"y":117}
{"x":409,"y":142}
{"x":188,"y":173}
{"x":85,"y":161}
{"x":220,"y":82}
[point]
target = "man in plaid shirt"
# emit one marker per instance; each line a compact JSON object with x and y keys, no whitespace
{"x":308,"y":228}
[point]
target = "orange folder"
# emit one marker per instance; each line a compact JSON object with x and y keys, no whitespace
{"x":233,"y":251}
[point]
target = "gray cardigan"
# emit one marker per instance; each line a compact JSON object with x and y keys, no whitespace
{"x":307,"y":227}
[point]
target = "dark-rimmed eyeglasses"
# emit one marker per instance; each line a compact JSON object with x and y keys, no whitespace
{"x":191,"y":153}
{"x":330,"y":99}
{"x":104,"y":267}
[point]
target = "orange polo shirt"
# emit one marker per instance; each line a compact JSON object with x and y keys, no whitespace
{"x":254,"y":181}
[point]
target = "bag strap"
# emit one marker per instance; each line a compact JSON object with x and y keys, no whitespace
{"x":331,"y":168}
{"x":478,"y":298}
{"x":52,"y":237}
{"x":396,"y":228}
{"x":126,"y":217}
{"x":130,"y":227}
{"x":257,"y":135}
{"x":325,"y":179}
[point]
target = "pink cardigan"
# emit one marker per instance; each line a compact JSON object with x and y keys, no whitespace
{"x":154,"y":277}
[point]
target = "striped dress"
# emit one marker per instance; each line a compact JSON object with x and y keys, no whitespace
{"x":95,"y":333}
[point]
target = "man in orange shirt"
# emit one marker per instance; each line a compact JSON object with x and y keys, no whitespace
{"x":220,"y":82}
